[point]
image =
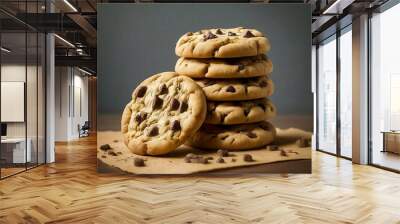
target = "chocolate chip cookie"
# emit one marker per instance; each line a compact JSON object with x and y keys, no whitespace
{"x":236,"y":89}
{"x":224,"y":68}
{"x":234,"y":137}
{"x":166,"y":109}
{"x":239,"y":112}
{"x":222,"y":43}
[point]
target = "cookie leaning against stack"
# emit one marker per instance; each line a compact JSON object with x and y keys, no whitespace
{"x":231,"y":67}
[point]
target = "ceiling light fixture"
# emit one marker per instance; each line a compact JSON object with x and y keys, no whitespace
{"x":5,"y":50}
{"x":65,"y":41}
{"x":84,"y":71}
{"x":70,"y":5}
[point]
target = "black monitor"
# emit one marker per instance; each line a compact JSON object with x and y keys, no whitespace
{"x":3,"y":129}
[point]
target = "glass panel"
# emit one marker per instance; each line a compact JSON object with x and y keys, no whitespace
{"x":385,"y":84}
{"x":13,"y":90}
{"x":327,"y":96}
{"x":41,"y":98}
{"x":346,"y":94}
{"x":31,"y":98}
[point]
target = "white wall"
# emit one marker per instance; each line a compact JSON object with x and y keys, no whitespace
{"x":71,"y":102}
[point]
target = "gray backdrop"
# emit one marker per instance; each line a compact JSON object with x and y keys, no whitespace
{"x":138,"y":40}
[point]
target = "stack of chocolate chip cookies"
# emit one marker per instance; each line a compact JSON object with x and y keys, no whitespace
{"x":231,"y":67}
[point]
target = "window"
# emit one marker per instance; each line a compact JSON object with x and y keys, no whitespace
{"x":385,"y":89}
{"x":327,"y":95}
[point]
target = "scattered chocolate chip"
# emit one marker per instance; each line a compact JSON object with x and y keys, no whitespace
{"x":248,"y":34}
{"x":112,"y":153}
{"x":209,"y":36}
{"x":284,"y":152}
{"x":233,"y":160}
{"x":224,"y":137}
{"x":103,"y":156}
{"x":176,"y":126}
{"x":219,"y":32}
{"x":189,"y":34}
{"x":115,"y":141}
{"x":157,"y":103}
{"x":141,"y":91}
{"x":210,"y":158}
{"x":105,"y":147}
{"x":119,"y":153}
{"x":153,"y":132}
{"x":240,"y":67}
{"x":302,"y":142}
{"x":174,"y":104}
{"x":231,"y":33}
{"x":223,"y":152}
{"x":220,"y":160}
{"x":184,"y":107}
{"x":231,"y":89}
{"x":247,"y":158}
{"x":263,"y":83}
{"x":138,"y":162}
{"x":163,"y":89}
{"x":273,"y":148}
{"x":203,"y":160}
{"x":251,"y":135}
{"x":140,"y":117}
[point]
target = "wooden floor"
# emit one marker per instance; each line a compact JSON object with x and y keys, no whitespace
{"x":71,"y":191}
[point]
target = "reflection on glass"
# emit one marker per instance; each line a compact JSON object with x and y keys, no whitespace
{"x":346,"y":94}
{"x":14,"y":153}
{"x":385,"y":84}
{"x":327,"y":96}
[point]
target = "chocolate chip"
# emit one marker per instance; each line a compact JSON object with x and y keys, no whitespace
{"x":240,"y":67}
{"x":163,"y":89}
{"x":176,"y":126}
{"x":220,"y":160}
{"x":115,"y":141}
{"x":247,"y":158}
{"x":233,"y":160}
{"x":284,"y":152}
{"x":184,"y":107}
{"x":112,"y":153}
{"x":138,"y":162}
{"x":140,"y":117}
{"x":251,"y":135}
{"x":174,"y":104}
{"x":187,"y":160}
{"x":103,"y":156}
{"x":219,"y":32}
{"x":223,"y":152}
{"x":153,"y":132}
{"x":248,"y":34}
{"x":203,"y":160}
{"x":262,"y":106}
{"x":273,"y":148}
{"x":105,"y":147}
{"x":141,"y":91}
{"x":209,"y":36}
{"x":231,"y":89}
{"x":119,"y":153}
{"x":210,"y":158}
{"x":263,"y":83}
{"x":189,"y":34}
{"x":246,"y":111}
{"x":231,"y":33}
{"x":157,"y":103}
{"x":265,"y":126}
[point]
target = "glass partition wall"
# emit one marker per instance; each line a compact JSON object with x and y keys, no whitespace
{"x":22,"y":98}
{"x":385,"y":89}
{"x":334,"y":94}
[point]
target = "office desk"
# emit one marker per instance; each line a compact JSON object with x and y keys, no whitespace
{"x":391,"y":141}
{"x":13,"y":150}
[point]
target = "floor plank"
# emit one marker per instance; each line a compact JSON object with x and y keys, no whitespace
{"x":71,"y":191}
